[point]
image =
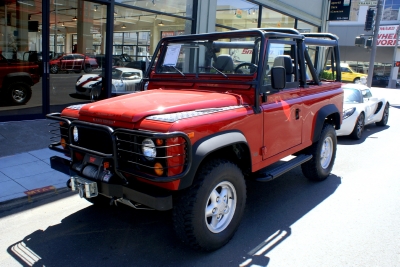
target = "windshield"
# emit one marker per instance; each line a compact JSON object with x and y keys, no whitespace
{"x":116,"y":74}
{"x":221,"y":57}
{"x":352,"y":96}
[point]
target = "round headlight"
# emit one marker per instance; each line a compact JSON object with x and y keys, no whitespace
{"x":149,"y":149}
{"x":75,"y":133}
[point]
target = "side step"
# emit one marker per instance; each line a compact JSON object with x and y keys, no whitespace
{"x":271,"y":174}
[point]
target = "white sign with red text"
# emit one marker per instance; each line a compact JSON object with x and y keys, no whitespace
{"x":387,"y":35}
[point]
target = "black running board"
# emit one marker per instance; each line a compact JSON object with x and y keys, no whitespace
{"x":271,"y":174}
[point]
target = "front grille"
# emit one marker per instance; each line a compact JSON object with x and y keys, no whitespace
{"x":80,"y":89}
{"x":132,"y":86}
{"x":93,"y":139}
{"x":173,"y":158}
{"x":124,"y":148}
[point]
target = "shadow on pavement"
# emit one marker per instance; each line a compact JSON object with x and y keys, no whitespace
{"x":121,"y":236}
{"x":368,"y":131}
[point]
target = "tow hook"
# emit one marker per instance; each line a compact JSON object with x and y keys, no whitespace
{"x":113,"y":201}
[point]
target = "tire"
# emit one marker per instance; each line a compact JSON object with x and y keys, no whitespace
{"x":324,"y":153}
{"x":19,"y":93}
{"x":216,"y":180}
{"x":88,"y":69}
{"x":358,"y":128}
{"x":385,"y":116}
{"x":356,"y":80}
{"x":54,"y":69}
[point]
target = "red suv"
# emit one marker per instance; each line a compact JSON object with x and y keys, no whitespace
{"x":73,"y":62}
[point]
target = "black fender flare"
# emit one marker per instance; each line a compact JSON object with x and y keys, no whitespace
{"x":323,"y":113}
{"x":205,"y":146}
{"x":17,"y":76}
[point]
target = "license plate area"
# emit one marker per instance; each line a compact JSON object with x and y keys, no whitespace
{"x":85,"y":187}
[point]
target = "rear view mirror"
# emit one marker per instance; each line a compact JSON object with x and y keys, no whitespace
{"x":278,"y":80}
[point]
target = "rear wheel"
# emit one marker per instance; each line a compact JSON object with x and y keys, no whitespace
{"x":88,"y":68}
{"x":207,"y":214}
{"x":54,"y":69}
{"x":357,"y":80}
{"x":324,"y":153}
{"x":358,"y":128}
{"x":19,"y":93}
{"x":385,"y":116}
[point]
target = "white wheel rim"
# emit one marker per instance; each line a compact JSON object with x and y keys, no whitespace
{"x":220,"y":207}
{"x":326,"y":152}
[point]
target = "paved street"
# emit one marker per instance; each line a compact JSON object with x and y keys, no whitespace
{"x":351,"y":219}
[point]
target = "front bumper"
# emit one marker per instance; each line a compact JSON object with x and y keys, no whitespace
{"x":149,"y":196}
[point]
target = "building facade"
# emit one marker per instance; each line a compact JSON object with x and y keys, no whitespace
{"x":359,"y":57}
{"x":112,"y":32}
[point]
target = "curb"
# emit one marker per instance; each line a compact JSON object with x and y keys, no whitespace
{"x":24,"y":201}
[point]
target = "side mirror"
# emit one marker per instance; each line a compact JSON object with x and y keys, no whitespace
{"x":278,"y":80}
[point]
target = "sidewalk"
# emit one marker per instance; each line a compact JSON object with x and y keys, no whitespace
{"x":25,"y":161}
{"x":25,"y":158}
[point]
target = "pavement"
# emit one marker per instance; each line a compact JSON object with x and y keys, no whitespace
{"x":25,"y":172}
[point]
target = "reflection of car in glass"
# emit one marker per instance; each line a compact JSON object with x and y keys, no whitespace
{"x":73,"y":62}
{"x":382,"y":81}
{"x":349,"y":75}
{"x":360,"y":109}
{"x":121,"y":60}
{"x":16,"y":79}
{"x":124,"y":81}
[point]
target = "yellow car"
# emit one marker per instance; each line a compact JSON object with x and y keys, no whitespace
{"x":349,"y":75}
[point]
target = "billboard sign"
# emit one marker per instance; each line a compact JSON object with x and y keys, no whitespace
{"x":339,"y":10}
{"x":387,"y":35}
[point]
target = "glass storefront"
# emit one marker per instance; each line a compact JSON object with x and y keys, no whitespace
{"x":81,"y":36}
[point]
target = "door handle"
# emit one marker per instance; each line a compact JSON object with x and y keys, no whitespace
{"x":297,"y":113}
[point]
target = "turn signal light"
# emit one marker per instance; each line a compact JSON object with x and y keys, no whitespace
{"x":159,"y":142}
{"x":158,"y":169}
{"x":63,"y":143}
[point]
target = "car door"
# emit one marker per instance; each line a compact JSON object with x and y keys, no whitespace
{"x":347,"y":75}
{"x":281,"y":110}
{"x":78,"y":62}
{"x":371,"y":104}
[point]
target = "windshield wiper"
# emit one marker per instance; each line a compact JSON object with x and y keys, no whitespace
{"x":175,"y":68}
{"x":220,"y":72}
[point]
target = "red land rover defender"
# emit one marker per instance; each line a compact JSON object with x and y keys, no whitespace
{"x":220,"y":108}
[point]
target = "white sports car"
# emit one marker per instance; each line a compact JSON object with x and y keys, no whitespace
{"x":124,"y":81}
{"x":360,"y":109}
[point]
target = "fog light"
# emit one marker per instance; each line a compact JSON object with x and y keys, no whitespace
{"x":75,"y":134}
{"x":158,"y":169}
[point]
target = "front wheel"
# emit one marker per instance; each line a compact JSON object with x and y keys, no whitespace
{"x":324,"y":153}
{"x":88,"y":69}
{"x":207,"y":214}
{"x":19,"y":93}
{"x":358,"y":128}
{"x":357,"y":80}
{"x":385,"y":116}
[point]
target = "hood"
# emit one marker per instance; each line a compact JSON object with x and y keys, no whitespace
{"x":134,"y":107}
{"x":88,"y":79}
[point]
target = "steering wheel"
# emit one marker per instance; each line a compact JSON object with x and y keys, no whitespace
{"x":246,"y":68}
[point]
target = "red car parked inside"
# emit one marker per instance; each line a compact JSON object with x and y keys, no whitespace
{"x":73,"y":62}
